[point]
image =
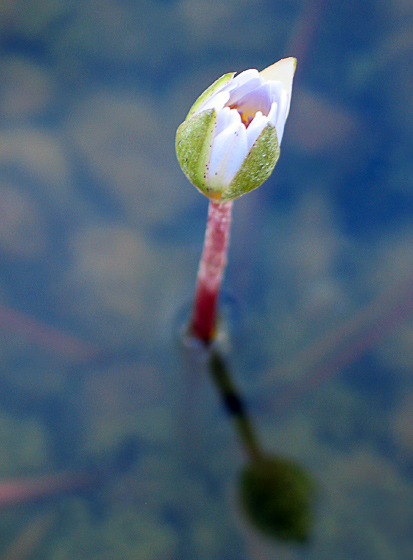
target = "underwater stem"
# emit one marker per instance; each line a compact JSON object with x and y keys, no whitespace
{"x":234,"y":405}
{"x":211,"y":271}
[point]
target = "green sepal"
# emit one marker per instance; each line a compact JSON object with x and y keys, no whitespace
{"x":257,"y":166}
{"x":209,"y":92}
{"x":193,"y":148}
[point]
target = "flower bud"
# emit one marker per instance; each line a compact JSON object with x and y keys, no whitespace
{"x":230,"y":141}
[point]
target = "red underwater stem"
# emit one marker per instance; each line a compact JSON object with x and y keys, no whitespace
{"x":211,"y":271}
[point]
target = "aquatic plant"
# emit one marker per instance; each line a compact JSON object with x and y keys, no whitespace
{"x":227,"y":146}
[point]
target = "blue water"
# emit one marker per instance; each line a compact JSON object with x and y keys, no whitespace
{"x":100,"y":238}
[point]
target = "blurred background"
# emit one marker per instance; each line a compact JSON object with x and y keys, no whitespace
{"x":100,"y":238}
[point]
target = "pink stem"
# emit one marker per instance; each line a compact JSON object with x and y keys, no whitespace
{"x":211,"y":271}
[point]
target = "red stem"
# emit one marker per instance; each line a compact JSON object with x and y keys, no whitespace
{"x":211,"y":271}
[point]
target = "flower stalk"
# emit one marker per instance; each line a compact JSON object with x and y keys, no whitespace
{"x":211,"y":271}
{"x":227,"y":146}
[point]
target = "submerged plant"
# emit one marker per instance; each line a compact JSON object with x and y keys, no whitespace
{"x":227,"y":146}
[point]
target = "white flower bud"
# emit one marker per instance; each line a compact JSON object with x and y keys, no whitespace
{"x":229,"y":143}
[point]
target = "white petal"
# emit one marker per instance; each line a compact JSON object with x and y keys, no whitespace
{"x":229,"y":150}
{"x":217,"y":101}
{"x":243,"y":78}
{"x":226,"y":118}
{"x":276,"y":89}
{"x":283,"y":109}
{"x":258,"y":99}
{"x":255,"y":128}
{"x":273,"y":114}
{"x":244,"y":89}
{"x":282,"y":71}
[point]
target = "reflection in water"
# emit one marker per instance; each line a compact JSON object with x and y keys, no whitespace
{"x":276,"y":494}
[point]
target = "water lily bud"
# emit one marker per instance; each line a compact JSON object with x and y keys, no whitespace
{"x":230,"y":141}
